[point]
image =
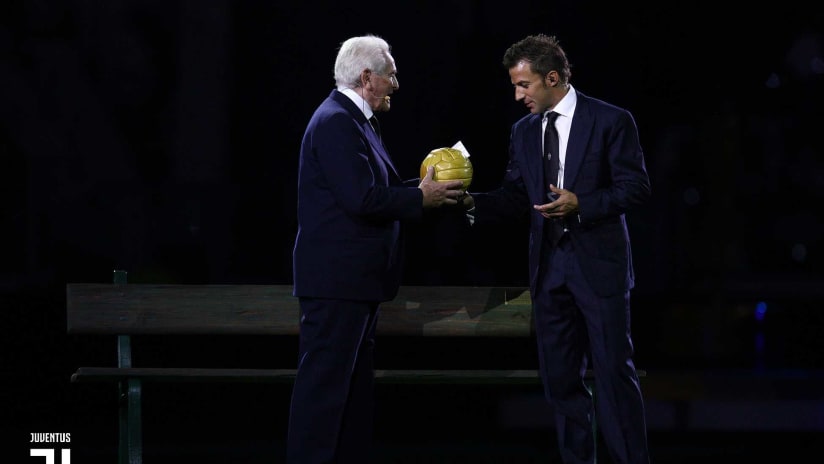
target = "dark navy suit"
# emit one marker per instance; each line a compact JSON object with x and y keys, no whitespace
{"x":580,"y":287}
{"x":347,"y":259}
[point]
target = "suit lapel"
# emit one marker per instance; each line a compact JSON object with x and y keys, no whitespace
{"x":535,"y":162}
{"x":371,"y":136}
{"x":378,"y":146}
{"x":577,"y":142}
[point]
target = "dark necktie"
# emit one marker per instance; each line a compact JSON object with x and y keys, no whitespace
{"x":374,"y":122}
{"x":556,"y":226}
{"x":551,"y":151}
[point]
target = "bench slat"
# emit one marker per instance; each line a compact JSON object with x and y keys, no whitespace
{"x":180,"y":309}
{"x":97,"y":374}
{"x":441,"y":376}
{"x":175,"y":374}
{"x":127,"y":309}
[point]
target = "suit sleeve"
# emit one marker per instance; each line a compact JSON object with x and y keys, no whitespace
{"x":620,"y":179}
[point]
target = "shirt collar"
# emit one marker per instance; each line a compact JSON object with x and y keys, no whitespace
{"x":358,"y":100}
{"x":566,"y":106}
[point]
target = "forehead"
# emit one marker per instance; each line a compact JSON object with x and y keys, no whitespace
{"x":522,"y":72}
{"x":390,"y":63}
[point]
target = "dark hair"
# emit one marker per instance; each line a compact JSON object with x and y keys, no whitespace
{"x":544,"y":54}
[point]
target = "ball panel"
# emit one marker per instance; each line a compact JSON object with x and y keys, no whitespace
{"x":453,"y":174}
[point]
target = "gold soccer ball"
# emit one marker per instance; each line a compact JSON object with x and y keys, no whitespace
{"x":450,"y":164}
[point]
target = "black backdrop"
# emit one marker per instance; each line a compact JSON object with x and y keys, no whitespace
{"x":161,"y":137}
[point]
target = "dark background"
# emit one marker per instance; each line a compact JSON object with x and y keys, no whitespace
{"x":161,"y":137}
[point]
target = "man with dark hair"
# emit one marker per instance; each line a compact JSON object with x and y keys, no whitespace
{"x":575,"y":167}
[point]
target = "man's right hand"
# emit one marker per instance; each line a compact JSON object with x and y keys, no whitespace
{"x":437,"y":193}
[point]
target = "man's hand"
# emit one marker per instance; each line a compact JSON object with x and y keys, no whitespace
{"x":467,"y":202}
{"x":437,"y":194}
{"x":565,"y":203}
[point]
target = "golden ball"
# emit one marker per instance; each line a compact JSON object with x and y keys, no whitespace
{"x":450,"y":164}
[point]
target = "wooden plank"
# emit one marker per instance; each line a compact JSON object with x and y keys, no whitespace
{"x":174,"y":374}
{"x":442,"y":376}
{"x":271,"y":309}
{"x":181,"y":309}
{"x":425,"y":376}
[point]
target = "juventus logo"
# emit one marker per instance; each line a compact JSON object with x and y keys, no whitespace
{"x":65,"y":455}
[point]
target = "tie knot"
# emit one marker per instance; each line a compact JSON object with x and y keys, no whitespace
{"x":551,"y":116}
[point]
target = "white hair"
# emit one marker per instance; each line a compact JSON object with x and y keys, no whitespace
{"x":359,"y":53}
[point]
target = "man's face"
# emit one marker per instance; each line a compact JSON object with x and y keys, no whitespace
{"x":383,"y":85}
{"x":531,"y":87}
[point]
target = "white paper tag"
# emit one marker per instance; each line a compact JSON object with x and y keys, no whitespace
{"x":460,"y":147}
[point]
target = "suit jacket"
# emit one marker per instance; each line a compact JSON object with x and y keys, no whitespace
{"x":351,"y":202}
{"x":604,"y":167}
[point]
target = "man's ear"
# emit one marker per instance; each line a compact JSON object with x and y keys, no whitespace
{"x":366,"y":78}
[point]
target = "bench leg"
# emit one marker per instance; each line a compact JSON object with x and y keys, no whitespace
{"x":130,"y":446}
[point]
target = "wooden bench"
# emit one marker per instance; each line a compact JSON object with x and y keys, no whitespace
{"x":125,"y":311}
